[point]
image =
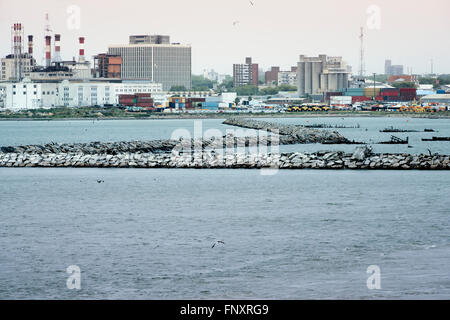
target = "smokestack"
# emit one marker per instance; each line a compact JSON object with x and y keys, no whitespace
{"x":48,"y":52}
{"x":57,"y":57}
{"x":81,"y":58}
{"x":17,"y":34}
{"x":30,"y":45}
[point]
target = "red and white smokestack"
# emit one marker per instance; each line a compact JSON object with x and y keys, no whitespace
{"x":57,"y":57}
{"x":30,"y":45}
{"x":48,"y":50}
{"x":81,"y":58}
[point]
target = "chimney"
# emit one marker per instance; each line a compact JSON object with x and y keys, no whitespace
{"x":48,"y":52}
{"x":57,"y":57}
{"x":30,"y":45}
{"x":81,"y":58}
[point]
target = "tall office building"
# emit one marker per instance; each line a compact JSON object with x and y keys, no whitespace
{"x":316,"y":75}
{"x":245,"y":74}
{"x":392,"y":70}
{"x":169,"y":64}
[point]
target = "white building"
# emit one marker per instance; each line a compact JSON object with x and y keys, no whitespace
{"x":287,"y":77}
{"x":33,"y":95}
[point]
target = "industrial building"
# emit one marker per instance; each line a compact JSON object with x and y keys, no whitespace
{"x":107,"y":66}
{"x":18,"y":62}
{"x":437,"y":98}
{"x":169,"y":64}
{"x":245,"y":74}
{"x":8,"y":66}
{"x":317,"y":75}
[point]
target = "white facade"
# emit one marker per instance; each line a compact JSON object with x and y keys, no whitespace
{"x":287,"y":77}
{"x":33,"y":95}
{"x":26,"y":95}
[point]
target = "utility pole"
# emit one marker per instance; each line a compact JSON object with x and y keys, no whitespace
{"x":374,"y":77}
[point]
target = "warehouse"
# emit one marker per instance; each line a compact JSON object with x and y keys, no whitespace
{"x":437,"y":98}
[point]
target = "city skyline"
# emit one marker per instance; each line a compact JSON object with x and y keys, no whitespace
{"x":223,"y":33}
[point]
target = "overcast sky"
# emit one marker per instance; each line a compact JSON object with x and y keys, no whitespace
{"x":223,"y":32}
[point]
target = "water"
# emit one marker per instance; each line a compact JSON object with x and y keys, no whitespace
{"x":147,"y":234}
{"x":41,"y":132}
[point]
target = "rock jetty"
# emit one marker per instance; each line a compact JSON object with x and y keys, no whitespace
{"x":320,"y":160}
{"x":292,"y":134}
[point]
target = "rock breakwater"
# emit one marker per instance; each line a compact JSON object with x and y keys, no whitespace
{"x":318,"y":160}
{"x":292,"y":134}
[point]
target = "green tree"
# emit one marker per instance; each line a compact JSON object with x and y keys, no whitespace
{"x":248,"y":90}
{"x":287,"y":87}
{"x":178,"y":88}
{"x":404,"y":84}
{"x":199,"y":83}
{"x":269,"y":91}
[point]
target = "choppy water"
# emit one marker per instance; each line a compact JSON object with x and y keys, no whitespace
{"x":147,"y":234}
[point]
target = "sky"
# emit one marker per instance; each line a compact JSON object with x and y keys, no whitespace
{"x":223,"y":32}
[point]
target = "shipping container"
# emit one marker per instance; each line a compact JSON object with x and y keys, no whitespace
{"x":359,"y":99}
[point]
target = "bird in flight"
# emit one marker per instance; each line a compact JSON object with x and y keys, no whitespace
{"x":251,"y":3}
{"x":217,"y":242}
{"x":235,"y":23}
{"x":100,"y":181}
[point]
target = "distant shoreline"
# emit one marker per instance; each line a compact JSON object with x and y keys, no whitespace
{"x":244,"y":115}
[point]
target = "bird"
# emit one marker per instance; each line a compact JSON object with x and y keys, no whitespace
{"x":235,"y":23}
{"x":217,"y":242}
{"x":251,"y":3}
{"x":100,"y":181}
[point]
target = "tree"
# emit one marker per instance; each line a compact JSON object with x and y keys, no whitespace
{"x":269,"y":91}
{"x":404,"y":84}
{"x":237,"y":100}
{"x":248,"y":90}
{"x":200,"y":83}
{"x":178,"y":88}
{"x":287,"y":87}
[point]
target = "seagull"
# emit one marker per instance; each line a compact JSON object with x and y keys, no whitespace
{"x":235,"y":22}
{"x":251,"y":3}
{"x":100,"y":181}
{"x":217,"y":242}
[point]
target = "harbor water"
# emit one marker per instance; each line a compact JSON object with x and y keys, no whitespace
{"x":149,"y":233}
